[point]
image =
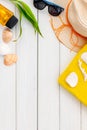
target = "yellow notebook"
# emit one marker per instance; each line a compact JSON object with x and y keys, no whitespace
{"x":74,"y":78}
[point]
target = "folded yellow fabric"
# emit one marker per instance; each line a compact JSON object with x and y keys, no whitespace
{"x":74,"y":78}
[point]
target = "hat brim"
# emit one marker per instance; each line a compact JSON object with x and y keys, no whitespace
{"x":64,"y":31}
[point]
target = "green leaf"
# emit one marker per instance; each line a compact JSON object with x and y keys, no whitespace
{"x":30,"y":13}
{"x":27,"y":12}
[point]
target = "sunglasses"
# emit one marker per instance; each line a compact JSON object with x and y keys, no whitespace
{"x":53,"y":9}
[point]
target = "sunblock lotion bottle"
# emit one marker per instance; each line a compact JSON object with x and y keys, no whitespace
{"x":7,"y":17}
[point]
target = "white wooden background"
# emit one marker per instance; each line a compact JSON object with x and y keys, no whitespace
{"x":30,"y":98}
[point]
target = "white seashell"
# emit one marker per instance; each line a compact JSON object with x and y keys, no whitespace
{"x":72,"y":79}
{"x":4,"y":49}
{"x":84,"y":57}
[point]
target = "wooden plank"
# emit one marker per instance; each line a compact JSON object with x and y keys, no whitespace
{"x":27,"y":77}
{"x":84,"y":118}
{"x":7,"y":88}
{"x":48,"y":69}
{"x":69,"y":106}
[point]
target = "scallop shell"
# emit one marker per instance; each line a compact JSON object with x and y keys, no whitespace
{"x":7,"y":35}
{"x":72,"y":79}
{"x":10,"y":59}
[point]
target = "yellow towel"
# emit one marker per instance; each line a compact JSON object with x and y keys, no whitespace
{"x":80,"y":90}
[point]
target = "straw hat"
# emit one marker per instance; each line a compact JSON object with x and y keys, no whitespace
{"x":70,"y":26}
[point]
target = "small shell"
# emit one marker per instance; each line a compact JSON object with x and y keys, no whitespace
{"x":10,"y":59}
{"x":4,"y":49}
{"x":84,"y":57}
{"x":72,"y":79}
{"x":7,"y":35}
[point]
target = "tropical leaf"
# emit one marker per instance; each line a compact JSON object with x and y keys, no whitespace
{"x":25,"y":10}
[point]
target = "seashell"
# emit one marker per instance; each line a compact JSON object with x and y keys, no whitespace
{"x":84,"y":57}
{"x":4,"y":49}
{"x":7,"y":35}
{"x":72,"y":79}
{"x":10,"y":59}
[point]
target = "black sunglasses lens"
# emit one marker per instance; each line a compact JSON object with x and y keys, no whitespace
{"x":39,"y":5}
{"x":55,"y":11}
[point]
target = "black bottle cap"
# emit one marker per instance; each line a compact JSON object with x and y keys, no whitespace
{"x":12,"y":22}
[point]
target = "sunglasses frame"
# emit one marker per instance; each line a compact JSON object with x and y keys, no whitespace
{"x":48,"y":3}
